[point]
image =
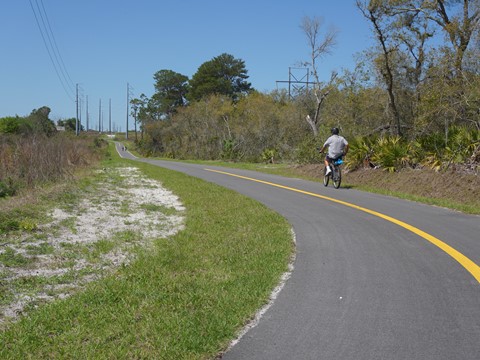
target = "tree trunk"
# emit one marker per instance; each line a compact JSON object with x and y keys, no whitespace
{"x":388,"y":74}
{"x":313,"y":125}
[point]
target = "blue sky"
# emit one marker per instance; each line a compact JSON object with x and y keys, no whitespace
{"x":104,"y":44}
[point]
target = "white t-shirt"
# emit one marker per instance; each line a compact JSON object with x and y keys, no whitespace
{"x":336,"y":144}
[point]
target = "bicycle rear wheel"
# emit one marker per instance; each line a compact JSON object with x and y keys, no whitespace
{"x":337,"y":177}
{"x":326,"y":177}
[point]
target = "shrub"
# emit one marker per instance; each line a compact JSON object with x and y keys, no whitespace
{"x":269,"y":155}
{"x":7,"y":188}
{"x":436,"y":151}
{"x":462,"y":143}
{"x":307,"y":151}
{"x":392,"y":153}
{"x":9,"y":125}
{"x":228,"y":150}
{"x":360,"y":152}
{"x":428,"y":150}
{"x":26,"y":161}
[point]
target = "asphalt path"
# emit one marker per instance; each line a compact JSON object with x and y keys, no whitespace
{"x":365,"y":285}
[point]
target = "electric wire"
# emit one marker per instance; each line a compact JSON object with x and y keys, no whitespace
{"x":57,"y":55}
{"x":62,"y":63}
{"x":49,"y":51}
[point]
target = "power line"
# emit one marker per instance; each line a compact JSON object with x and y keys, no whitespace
{"x":62,"y":63}
{"x":65,"y":83}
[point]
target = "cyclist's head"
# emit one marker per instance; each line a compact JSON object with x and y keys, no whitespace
{"x":335,"y":131}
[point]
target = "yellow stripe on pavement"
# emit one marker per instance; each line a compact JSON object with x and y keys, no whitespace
{"x":468,"y":264}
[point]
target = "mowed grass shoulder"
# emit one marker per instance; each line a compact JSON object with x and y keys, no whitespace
{"x":185,"y":299}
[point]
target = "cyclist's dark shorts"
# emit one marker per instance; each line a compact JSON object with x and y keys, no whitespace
{"x":329,"y":159}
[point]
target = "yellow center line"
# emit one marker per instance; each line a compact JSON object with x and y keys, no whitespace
{"x":468,"y":264}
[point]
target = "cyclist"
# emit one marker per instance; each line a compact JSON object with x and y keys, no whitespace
{"x":337,"y":148}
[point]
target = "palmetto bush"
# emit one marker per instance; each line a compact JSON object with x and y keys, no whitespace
{"x":360,"y":152}
{"x":392,"y":153}
{"x":433,"y":150}
{"x":462,"y":144}
{"x":428,"y":150}
{"x":436,"y":151}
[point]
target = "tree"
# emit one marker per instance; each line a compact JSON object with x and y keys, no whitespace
{"x":319,"y":47}
{"x":141,"y":113}
{"x":398,"y":59}
{"x":459,"y":27}
{"x":171,"y":89}
{"x":459,"y":20}
{"x":11,"y":125}
{"x":460,"y":23}
{"x":135,"y":105}
{"x":223,"y":75}
{"x":70,"y":124}
{"x":40,"y":121}
{"x":358,"y":103}
{"x":442,"y":80}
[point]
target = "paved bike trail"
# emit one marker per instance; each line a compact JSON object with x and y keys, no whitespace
{"x":362,"y":287}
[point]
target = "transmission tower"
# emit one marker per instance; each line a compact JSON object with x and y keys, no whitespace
{"x":298,"y":80}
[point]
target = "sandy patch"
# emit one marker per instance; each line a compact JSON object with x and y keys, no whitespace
{"x":86,"y":241}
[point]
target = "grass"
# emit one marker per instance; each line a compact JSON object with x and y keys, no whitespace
{"x":185,"y":298}
{"x":41,"y":249}
{"x":9,"y":258}
{"x":159,"y":208}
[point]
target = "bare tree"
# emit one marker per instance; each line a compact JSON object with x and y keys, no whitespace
{"x":459,"y":27}
{"x":319,"y":46}
{"x":459,"y":20}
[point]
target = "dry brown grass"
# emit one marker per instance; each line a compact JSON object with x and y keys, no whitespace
{"x":454,"y":186}
{"x":26,"y":162}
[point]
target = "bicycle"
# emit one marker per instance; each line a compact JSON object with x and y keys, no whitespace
{"x":335,"y":174}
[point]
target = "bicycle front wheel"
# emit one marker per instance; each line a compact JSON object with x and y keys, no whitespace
{"x":337,"y":178}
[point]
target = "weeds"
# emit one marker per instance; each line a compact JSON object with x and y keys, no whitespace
{"x":10,"y":258}
{"x":27,"y":161}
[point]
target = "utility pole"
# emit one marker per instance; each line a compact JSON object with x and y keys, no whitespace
{"x":100,"y":116}
{"x":87,"y":111}
{"x":76,"y":103}
{"x":128,"y":102}
{"x":80,"y":114}
{"x":109,"y":116}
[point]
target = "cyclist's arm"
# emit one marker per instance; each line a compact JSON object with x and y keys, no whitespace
{"x":345,"y":150}
{"x":325,"y":145}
